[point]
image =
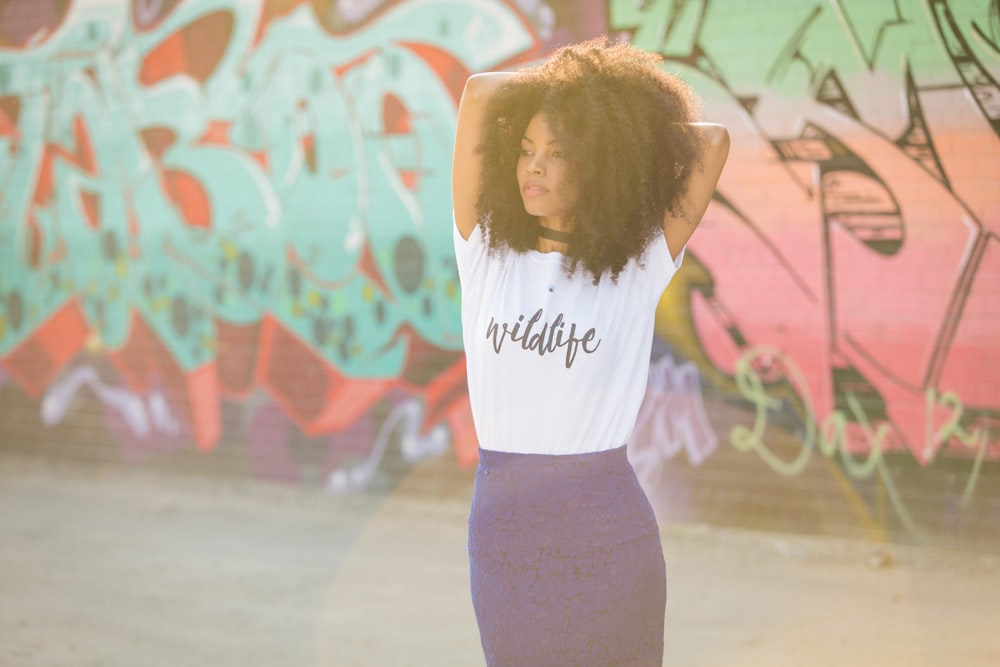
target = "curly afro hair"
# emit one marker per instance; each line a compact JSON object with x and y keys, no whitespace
{"x":623,"y":123}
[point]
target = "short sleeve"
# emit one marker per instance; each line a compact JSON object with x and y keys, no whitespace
{"x":470,"y":253}
{"x":680,"y":257}
{"x":659,"y":263}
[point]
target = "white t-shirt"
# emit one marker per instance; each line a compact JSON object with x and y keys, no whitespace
{"x":556,"y":365}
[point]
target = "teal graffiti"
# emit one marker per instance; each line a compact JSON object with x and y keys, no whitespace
{"x":299,"y":176}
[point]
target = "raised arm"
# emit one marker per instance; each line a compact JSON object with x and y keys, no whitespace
{"x":677,"y":229}
{"x":465,"y":163}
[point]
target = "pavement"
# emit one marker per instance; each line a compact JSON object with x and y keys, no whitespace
{"x":116,"y":565}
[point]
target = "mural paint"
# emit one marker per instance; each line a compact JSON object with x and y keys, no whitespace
{"x":672,"y":418}
{"x":224,"y":196}
{"x":850,"y":261}
{"x":244,"y":204}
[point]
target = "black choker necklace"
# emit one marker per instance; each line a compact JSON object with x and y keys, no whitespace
{"x":554,"y":234}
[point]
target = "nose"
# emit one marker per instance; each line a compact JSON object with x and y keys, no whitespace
{"x":535,"y":165}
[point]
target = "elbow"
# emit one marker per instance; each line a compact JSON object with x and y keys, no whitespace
{"x":717,"y":137}
{"x":479,"y":87}
{"x":716,"y":143}
{"x":714,"y":139}
{"x":473,"y":87}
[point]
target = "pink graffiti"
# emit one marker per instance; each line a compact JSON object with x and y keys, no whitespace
{"x":672,"y":418}
{"x":856,"y":225}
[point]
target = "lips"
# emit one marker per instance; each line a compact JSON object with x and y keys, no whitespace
{"x":533,"y":189}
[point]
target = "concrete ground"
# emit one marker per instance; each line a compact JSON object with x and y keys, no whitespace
{"x":117,"y":566}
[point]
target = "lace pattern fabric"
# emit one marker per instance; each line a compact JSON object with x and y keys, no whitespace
{"x":566,"y":563}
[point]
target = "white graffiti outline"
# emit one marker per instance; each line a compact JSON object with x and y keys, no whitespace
{"x":144,"y":415}
{"x":415,"y":447}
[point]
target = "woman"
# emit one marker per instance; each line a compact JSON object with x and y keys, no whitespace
{"x":576,"y":185}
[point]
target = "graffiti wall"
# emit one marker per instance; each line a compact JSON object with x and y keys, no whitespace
{"x":225,"y":237}
{"x":846,"y":275}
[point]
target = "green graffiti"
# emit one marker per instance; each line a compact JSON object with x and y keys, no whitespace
{"x":952,"y":430}
{"x":788,"y":48}
{"x":831,"y":437}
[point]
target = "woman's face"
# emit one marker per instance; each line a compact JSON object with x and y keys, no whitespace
{"x":548,"y":187}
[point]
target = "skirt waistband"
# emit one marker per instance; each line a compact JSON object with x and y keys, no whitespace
{"x":600,"y":461}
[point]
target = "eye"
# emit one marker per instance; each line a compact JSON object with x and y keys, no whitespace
{"x":525,"y":151}
{"x":557,"y":154}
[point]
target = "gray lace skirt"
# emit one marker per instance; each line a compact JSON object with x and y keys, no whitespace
{"x":566,"y":563}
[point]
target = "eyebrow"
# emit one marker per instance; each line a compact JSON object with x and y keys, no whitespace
{"x":553,"y":141}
